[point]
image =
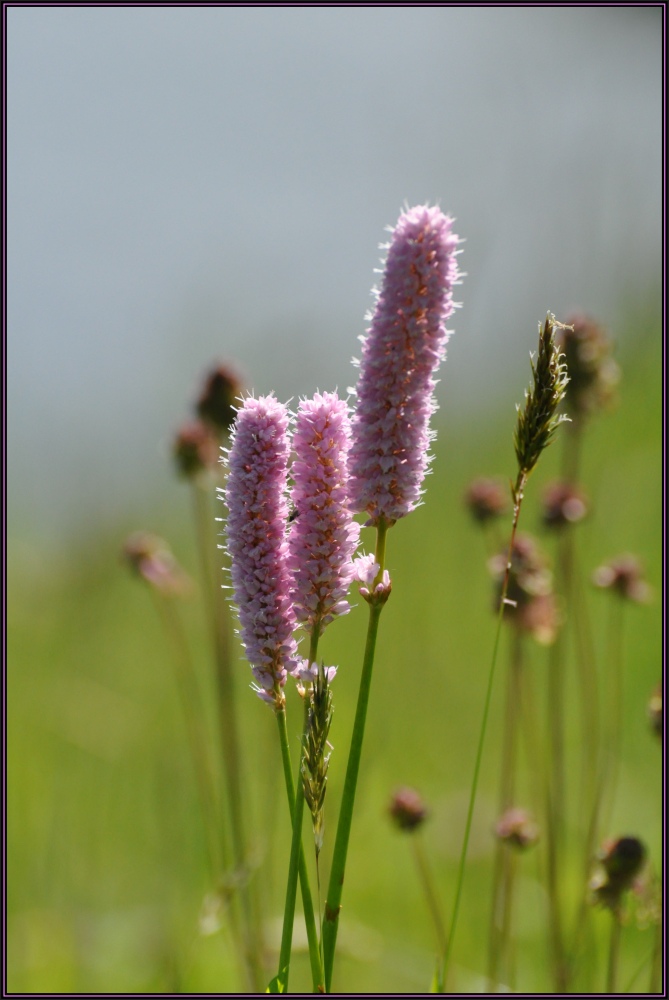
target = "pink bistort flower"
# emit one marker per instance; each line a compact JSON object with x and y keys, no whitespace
{"x":401,"y":352}
{"x":323,"y":534}
{"x":256,"y":533}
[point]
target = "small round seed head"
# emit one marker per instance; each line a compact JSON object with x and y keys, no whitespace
{"x":407,"y":809}
{"x":151,"y":559}
{"x":219,"y":398}
{"x":656,"y":712}
{"x":487,"y":499}
{"x":593,"y":373}
{"x":195,"y":449}
{"x":620,"y":862}
{"x":624,"y":576}
{"x":563,"y":504}
{"x":531,"y":606}
{"x":516,"y":828}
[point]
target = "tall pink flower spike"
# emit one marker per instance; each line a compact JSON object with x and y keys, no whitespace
{"x":256,"y":535}
{"x":403,"y":347}
{"x":323,"y":535}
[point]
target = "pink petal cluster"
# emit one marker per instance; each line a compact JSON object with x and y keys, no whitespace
{"x":256,"y":535}
{"x":401,"y":352}
{"x":323,"y":535}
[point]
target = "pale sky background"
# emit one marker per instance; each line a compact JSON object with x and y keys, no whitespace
{"x":196,"y":183}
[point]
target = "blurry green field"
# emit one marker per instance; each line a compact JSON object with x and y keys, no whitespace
{"x":106,"y":854}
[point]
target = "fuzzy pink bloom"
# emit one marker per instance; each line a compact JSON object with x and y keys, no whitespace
{"x":256,"y":534}
{"x":323,"y":535}
{"x":401,"y":352}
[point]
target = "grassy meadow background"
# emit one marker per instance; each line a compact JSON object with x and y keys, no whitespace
{"x":106,"y":855}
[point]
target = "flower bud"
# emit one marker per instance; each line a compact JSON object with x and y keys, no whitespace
{"x":217,"y":404}
{"x":407,"y":809}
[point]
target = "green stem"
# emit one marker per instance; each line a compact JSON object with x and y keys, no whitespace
{"x":518,"y":498}
{"x":218,"y":618}
{"x":312,"y":935}
{"x":427,"y":882}
{"x":336,"y":884}
{"x":194,"y":719}
{"x":500,"y":904}
{"x":296,"y":842}
{"x":614,"y":951}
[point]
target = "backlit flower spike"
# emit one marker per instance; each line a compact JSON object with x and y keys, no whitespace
{"x":323,"y":535}
{"x":402,"y":349}
{"x":256,"y":536}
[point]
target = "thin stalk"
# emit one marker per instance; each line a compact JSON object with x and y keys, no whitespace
{"x":500,"y":903}
{"x":194,"y":718}
{"x":296,"y":841}
{"x":518,"y":495}
{"x":218,"y":621}
{"x":655,"y":983}
{"x":312,"y":935}
{"x":614,"y":952}
{"x":427,"y":883}
{"x":511,"y":864}
{"x":336,"y":884}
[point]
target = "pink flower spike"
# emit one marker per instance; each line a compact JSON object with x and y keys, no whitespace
{"x":401,"y":352}
{"x":323,"y":534}
{"x":256,"y":535}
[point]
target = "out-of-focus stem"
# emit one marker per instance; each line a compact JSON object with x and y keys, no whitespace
{"x":427,"y":882}
{"x":194,"y":719}
{"x":219,"y":625}
{"x":614,"y":952}
{"x":518,"y":499}
{"x":502,"y":881}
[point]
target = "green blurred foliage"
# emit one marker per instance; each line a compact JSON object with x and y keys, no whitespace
{"x":106,"y":852}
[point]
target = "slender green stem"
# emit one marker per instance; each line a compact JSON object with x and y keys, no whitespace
{"x":614,"y":952}
{"x":500,"y":903}
{"x":427,"y":882}
{"x":518,"y":497}
{"x":194,"y":719}
{"x":296,"y":842}
{"x":336,"y":884}
{"x":309,"y":919}
{"x":218,"y":619}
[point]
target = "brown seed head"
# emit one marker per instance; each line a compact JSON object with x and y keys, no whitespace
{"x":624,"y":576}
{"x":593,"y":373}
{"x":487,"y":499}
{"x":195,"y":448}
{"x":516,"y":828}
{"x":407,"y":809}
{"x":620,"y":862}
{"x":219,"y":397}
{"x":151,"y":559}
{"x":563,"y":504}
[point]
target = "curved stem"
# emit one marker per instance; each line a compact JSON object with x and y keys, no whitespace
{"x":336,"y":884}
